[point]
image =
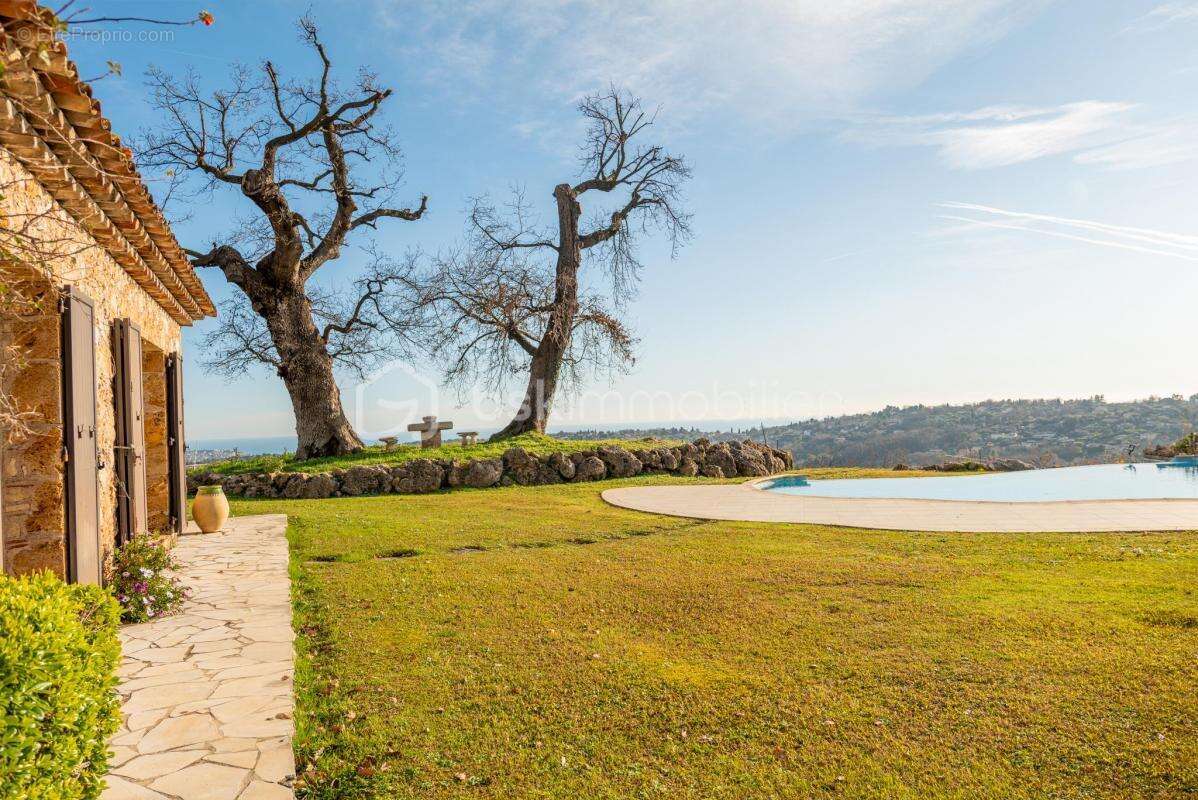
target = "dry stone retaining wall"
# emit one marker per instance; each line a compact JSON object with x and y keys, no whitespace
{"x":517,"y":466}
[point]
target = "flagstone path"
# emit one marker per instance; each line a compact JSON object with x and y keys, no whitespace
{"x":206,"y":695}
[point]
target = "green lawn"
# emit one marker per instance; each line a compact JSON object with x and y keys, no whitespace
{"x":533,"y":442}
{"x":536,"y":643}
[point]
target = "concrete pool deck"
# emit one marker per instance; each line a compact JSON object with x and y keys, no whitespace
{"x":744,"y":502}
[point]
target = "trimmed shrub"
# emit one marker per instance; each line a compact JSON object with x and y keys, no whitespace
{"x":58,"y":703}
{"x":142,"y":582}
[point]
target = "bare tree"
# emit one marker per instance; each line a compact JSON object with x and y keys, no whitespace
{"x":511,"y":301}
{"x":294,"y":149}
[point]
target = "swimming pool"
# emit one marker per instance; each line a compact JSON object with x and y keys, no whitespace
{"x":1101,"y":482}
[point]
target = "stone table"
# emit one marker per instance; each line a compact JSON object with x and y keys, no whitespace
{"x":430,"y":431}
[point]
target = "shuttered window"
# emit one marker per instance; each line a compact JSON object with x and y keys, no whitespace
{"x":177,"y":467}
{"x":130,"y":450}
{"x":79,"y":438}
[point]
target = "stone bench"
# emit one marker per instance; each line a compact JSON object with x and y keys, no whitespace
{"x":389,"y":442}
{"x":468,"y":438}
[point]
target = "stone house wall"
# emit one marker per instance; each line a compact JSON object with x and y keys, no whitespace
{"x":80,"y":262}
{"x":31,"y":474}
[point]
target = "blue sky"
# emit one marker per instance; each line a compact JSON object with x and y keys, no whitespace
{"x":895,"y":202}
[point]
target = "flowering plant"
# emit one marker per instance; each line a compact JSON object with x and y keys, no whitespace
{"x":142,"y":582}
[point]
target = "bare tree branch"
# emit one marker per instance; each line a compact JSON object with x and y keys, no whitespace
{"x":240,"y":341}
{"x":408,"y":214}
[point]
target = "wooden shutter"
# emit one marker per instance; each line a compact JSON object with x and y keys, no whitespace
{"x":79,"y":438}
{"x":176,"y":448}
{"x":130,"y":453}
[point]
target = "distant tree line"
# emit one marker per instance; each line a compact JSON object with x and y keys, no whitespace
{"x":1051,"y":431}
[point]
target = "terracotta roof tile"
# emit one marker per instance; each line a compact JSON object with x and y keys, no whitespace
{"x":52,"y":123}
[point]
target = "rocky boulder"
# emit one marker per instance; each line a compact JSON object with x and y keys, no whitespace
{"x":964,"y":465}
{"x":750,"y":461}
{"x":418,"y":476}
{"x":1009,"y":465}
{"x":477,"y":474}
{"x":364,"y":479}
{"x":719,"y":456}
{"x":547,"y":473}
{"x":650,"y":460}
{"x":563,"y":464}
{"x":589,"y":468}
{"x":620,"y":463}
{"x":311,"y":487}
{"x":521,"y":465}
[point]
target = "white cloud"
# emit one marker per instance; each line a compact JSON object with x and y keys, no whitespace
{"x":1165,"y":15}
{"x":999,"y":136}
{"x":1121,"y":237}
{"x":1107,"y":134}
{"x":1148,"y":146}
{"x":784,"y":60}
{"x":1062,"y":130}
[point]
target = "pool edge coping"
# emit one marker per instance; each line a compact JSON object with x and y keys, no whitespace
{"x":752,"y":483}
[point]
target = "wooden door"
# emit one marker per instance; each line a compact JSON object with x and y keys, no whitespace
{"x":79,"y":438}
{"x":176,"y":447}
{"x":131,"y":432}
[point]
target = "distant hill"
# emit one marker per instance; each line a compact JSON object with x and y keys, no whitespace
{"x":1043,"y":431}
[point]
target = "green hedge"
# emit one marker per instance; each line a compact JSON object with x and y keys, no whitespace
{"x":58,"y":703}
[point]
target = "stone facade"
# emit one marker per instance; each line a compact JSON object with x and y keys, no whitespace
{"x":31,"y":478}
{"x":32,"y":524}
{"x":516,"y":467}
{"x":31,"y":495}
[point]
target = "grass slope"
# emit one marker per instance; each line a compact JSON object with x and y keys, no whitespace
{"x":537,"y":443}
{"x":537,"y":643}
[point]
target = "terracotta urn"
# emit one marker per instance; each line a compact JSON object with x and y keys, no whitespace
{"x":210,"y":509}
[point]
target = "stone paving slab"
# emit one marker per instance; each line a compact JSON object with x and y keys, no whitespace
{"x":206,"y":695}
{"x":746,"y":503}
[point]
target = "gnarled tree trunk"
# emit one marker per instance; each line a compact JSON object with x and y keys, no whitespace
{"x":546,"y":365}
{"x":306,"y":368}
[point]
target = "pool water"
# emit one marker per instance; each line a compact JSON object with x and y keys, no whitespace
{"x":1101,"y":482}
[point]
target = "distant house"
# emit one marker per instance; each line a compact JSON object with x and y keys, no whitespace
{"x":104,"y":289}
